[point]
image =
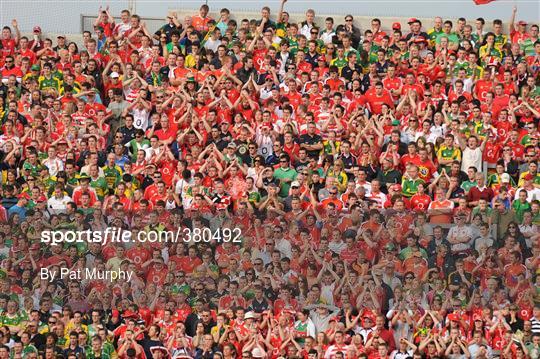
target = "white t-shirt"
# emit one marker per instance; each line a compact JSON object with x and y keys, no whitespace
{"x":140,"y":118}
{"x":471,"y":158}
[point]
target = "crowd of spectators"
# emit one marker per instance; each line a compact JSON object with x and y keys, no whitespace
{"x":384,"y":183}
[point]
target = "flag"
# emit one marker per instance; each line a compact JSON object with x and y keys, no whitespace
{"x":482,"y":2}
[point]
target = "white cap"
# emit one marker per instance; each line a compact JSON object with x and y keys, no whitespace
{"x":295,"y":184}
{"x":249,"y":315}
{"x":114,"y":75}
{"x":257,"y":353}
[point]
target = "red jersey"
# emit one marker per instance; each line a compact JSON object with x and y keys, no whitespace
{"x":376,"y":102}
{"x":492,"y":152}
{"x":420,"y":202}
{"x":481,"y":88}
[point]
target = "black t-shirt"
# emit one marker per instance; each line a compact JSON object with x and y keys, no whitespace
{"x":259,"y":307}
{"x":167,"y":29}
{"x":311,"y":140}
{"x":518,"y":324}
{"x":148,"y":343}
{"x":300,"y":165}
{"x":129,"y":133}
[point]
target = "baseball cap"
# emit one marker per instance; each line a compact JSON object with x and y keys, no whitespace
{"x":390,"y":247}
{"x":396,"y":26}
{"x":505,"y":178}
{"x":114,"y":75}
{"x":321,"y":58}
{"x":161,"y":349}
{"x":60,"y":37}
{"x":412,"y":20}
{"x":257,"y":353}
{"x":419,"y":39}
{"x":231,"y":145}
{"x":129,"y":314}
{"x":295,"y":184}
{"x":84,"y":177}
{"x":36,"y":29}
{"x":396,"y":187}
{"x":522,"y":22}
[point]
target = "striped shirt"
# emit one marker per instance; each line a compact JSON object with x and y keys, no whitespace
{"x":535,"y":325}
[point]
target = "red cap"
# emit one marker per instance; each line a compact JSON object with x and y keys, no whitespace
{"x":36,"y":29}
{"x":419,"y":39}
{"x":321,"y":58}
{"x":454,"y":317}
{"x":528,"y":177}
{"x":412,"y":20}
{"x":396,"y":187}
{"x":369,"y":316}
{"x":492,"y":61}
{"x":477,"y":317}
{"x":129,"y":314}
{"x":521,"y":22}
{"x":115,"y":313}
{"x":396,"y":26}
{"x":266,"y":124}
{"x":221,"y":206}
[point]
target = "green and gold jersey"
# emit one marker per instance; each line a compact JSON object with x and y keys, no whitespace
{"x":12,"y":320}
{"x":101,"y":187}
{"x":50,"y":83}
{"x":113,"y":175}
{"x":449,"y":153}
{"x":410,"y":186}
